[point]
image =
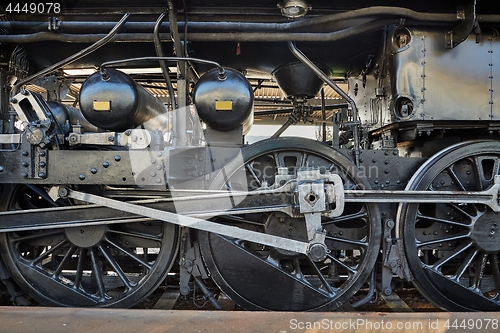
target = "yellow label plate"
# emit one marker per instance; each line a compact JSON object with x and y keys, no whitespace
{"x":223,"y":105}
{"x":102,"y":105}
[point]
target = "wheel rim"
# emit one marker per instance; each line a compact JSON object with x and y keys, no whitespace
{"x":453,"y":249}
{"x":262,"y":278}
{"x":98,"y":266}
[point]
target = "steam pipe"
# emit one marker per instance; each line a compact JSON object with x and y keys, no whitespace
{"x":74,"y":57}
{"x":379,"y":11}
{"x":204,"y":36}
{"x":323,"y":114}
{"x":163,"y":63}
{"x":174,"y":29}
{"x":221,"y":70}
{"x":302,"y":57}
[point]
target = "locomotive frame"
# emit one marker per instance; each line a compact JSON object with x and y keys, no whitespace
{"x":99,"y":202}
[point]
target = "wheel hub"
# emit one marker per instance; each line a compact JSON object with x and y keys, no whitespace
{"x":86,"y":236}
{"x":282,"y":225}
{"x":486,"y":232}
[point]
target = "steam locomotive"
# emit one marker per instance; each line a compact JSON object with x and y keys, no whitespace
{"x":124,"y":157}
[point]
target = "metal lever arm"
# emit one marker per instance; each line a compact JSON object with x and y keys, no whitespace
{"x":192,"y":222}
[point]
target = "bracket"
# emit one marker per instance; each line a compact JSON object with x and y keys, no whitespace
{"x":466,"y":18}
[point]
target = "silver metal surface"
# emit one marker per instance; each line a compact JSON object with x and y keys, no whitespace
{"x":441,"y":84}
{"x":132,"y":139}
{"x":10,"y":138}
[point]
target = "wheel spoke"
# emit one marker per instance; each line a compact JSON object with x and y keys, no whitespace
{"x":465,"y":264}
{"x":338,"y":262}
{"x":421,"y":216}
{"x":496,"y":273}
{"x":36,"y":235}
{"x":461,"y":211}
{"x":440,"y":240}
{"x":321,"y":277}
{"x":345,"y":240}
{"x":303,"y":160}
{"x":137,"y":234}
{"x":438,"y":264}
{"x":65,"y":260}
{"x":49,"y":252}
{"x":80,"y":266}
{"x":455,"y":178}
{"x":130,"y":254}
{"x":97,"y":270}
{"x":118,"y":270}
{"x":479,"y":272}
{"x":359,"y":215}
{"x":254,"y":176}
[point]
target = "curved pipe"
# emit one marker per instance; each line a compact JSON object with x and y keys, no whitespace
{"x":205,"y":36}
{"x":74,"y":57}
{"x":163,"y":63}
{"x":222,"y":71}
{"x":381,"y":11}
{"x":302,"y":57}
{"x":174,"y":32}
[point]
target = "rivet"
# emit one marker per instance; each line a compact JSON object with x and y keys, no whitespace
{"x":42,"y":164}
{"x":93,"y":171}
{"x":24,"y":153}
{"x":24,"y":174}
{"x":105,"y":164}
{"x":118,"y":158}
{"x":81,"y":176}
{"x":42,"y":175}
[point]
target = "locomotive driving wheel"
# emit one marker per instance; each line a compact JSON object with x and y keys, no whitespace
{"x":92,"y":266}
{"x":453,"y":249}
{"x":259,"y":277}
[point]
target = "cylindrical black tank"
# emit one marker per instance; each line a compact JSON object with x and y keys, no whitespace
{"x":63,"y":113}
{"x":224,"y":105}
{"x":297,"y":80}
{"x":118,"y":103}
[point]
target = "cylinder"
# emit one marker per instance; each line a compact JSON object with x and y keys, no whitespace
{"x":118,"y":103}
{"x":297,"y":81}
{"x":224,"y":105}
{"x":63,"y":113}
